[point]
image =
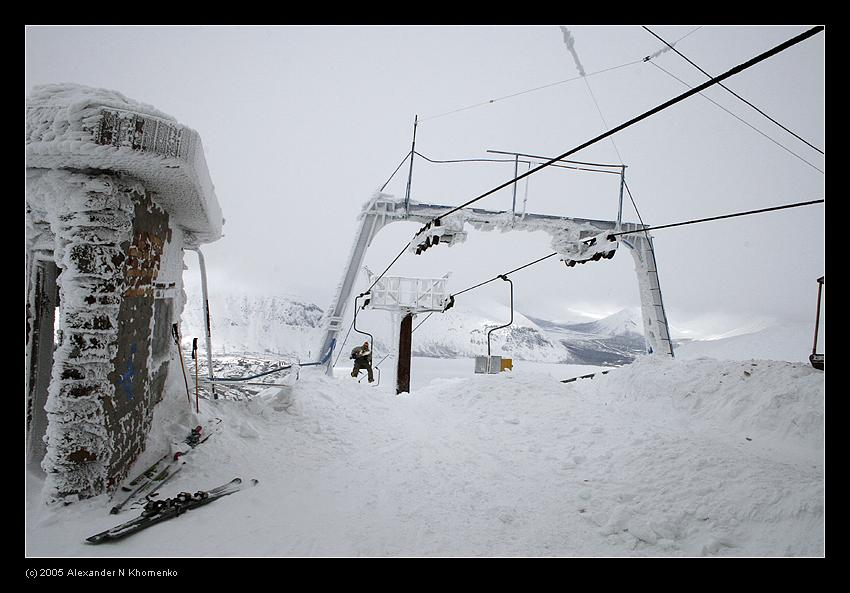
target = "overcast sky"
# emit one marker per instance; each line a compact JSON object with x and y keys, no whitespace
{"x":302,"y":124}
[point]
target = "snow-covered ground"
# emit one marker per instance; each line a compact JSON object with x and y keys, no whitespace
{"x":660,"y":458}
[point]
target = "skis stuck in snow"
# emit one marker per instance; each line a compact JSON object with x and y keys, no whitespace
{"x":164,"y":469}
{"x":590,"y":376}
{"x":157,"y":511}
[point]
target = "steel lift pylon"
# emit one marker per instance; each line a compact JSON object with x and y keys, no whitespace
{"x":383,"y":209}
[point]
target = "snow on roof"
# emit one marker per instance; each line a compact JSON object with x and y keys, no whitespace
{"x":74,"y":126}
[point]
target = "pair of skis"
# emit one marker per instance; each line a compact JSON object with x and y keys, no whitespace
{"x":157,"y":511}
{"x":154,"y":477}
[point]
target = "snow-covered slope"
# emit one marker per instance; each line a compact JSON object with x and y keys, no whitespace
{"x":660,"y":458}
{"x":790,"y":342}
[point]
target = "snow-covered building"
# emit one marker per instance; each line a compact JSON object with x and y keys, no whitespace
{"x":115,"y":192}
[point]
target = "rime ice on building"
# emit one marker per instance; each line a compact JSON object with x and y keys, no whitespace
{"x":115,"y":191}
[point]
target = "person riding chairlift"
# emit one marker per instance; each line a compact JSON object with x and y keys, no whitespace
{"x":362,"y":357}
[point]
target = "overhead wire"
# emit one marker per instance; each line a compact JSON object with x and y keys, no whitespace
{"x":743,"y":121}
{"x":602,"y":117}
{"x":421,"y":322}
{"x":645,"y":230}
{"x":545,"y":158}
{"x":731,"y":72}
{"x":396,"y":171}
{"x":517,"y":94}
{"x":721,"y":217}
{"x":482,"y":160}
{"x":733,"y":92}
{"x":342,"y":346}
{"x":498,"y":276}
{"x":551,"y":84}
{"x":385,"y":357}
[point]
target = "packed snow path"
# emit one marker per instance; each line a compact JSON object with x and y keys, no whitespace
{"x":659,"y":458}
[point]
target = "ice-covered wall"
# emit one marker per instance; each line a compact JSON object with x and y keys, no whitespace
{"x":115,"y":191}
{"x":90,"y":218}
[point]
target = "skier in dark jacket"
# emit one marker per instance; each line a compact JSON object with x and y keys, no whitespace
{"x":362,"y":356}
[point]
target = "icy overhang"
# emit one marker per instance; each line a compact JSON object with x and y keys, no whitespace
{"x":70,"y":126}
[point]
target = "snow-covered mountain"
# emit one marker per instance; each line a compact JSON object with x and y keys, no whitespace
{"x":289,"y":326}
{"x":249,"y":323}
{"x":627,"y":321}
{"x":613,"y":340}
{"x":463,"y":333}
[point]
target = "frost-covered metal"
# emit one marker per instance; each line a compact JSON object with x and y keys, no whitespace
{"x":383,"y":209}
{"x":414,"y":295}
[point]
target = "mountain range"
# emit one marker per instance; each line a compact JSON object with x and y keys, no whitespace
{"x":285,"y":325}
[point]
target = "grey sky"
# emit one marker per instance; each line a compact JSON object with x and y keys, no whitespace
{"x":302,"y":124}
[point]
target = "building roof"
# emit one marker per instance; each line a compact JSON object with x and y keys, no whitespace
{"x":71,"y":126}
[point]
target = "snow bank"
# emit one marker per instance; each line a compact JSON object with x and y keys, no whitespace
{"x":789,"y":342}
{"x":765,"y":399}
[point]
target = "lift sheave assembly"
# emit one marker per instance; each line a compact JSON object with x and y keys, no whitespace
{"x":601,"y":246}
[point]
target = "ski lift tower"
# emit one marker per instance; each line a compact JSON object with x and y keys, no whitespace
{"x":404,"y":298}
{"x":383,"y":209}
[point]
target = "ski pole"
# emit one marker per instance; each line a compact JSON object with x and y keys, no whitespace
{"x":195,"y":357}
{"x":175,"y":331}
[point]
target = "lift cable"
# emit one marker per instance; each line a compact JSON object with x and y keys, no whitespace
{"x":385,"y":357}
{"x":498,"y":276}
{"x":646,"y":229}
{"x":387,"y":269}
{"x":675,"y":224}
{"x":342,"y":346}
{"x":641,"y":230}
{"x":731,"y":72}
{"x":693,"y":91}
{"x":733,"y":92}
{"x":421,"y":322}
{"x":743,"y":121}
